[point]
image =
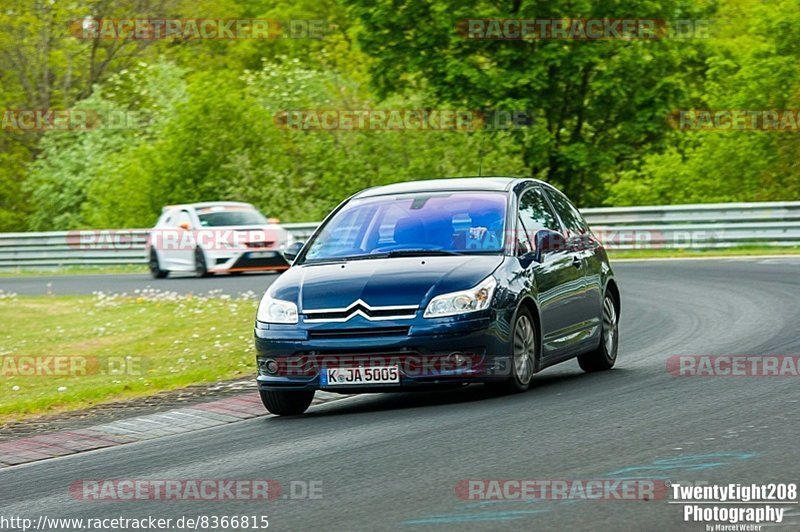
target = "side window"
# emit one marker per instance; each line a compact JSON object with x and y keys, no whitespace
{"x":568,"y":213}
{"x":535,"y":213}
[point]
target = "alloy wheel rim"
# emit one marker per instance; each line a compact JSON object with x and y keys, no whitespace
{"x":609,"y":326}
{"x":524,"y":349}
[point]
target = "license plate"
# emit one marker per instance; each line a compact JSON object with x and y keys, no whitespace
{"x":360,"y":375}
{"x":261,"y":255}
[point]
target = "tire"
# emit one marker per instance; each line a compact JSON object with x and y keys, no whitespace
{"x":524,"y":348}
{"x":155,"y":266}
{"x":605,"y":356}
{"x":284,"y":403}
{"x":200,"y":268}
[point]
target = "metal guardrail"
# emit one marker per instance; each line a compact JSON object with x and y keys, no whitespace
{"x":702,"y":226}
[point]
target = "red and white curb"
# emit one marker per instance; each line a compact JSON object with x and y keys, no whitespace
{"x":120,"y":432}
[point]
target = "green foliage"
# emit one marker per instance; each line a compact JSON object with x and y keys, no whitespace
{"x":754,"y":67}
{"x":85,"y":177}
{"x":600,"y":105}
{"x":208,"y":109}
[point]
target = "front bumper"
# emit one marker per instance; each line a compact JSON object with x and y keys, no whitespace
{"x":243,"y":261}
{"x":425,"y":351}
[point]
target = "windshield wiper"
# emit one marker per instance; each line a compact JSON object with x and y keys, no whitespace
{"x":386,"y":254}
{"x":417,"y":252}
{"x":344,"y":258}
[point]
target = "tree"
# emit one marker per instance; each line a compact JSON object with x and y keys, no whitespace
{"x":753,"y":67}
{"x":597,"y":105}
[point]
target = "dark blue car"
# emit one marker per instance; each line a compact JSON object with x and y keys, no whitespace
{"x":437,"y":283}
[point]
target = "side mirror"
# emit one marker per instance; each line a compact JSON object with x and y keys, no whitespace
{"x":547,"y":240}
{"x":293,"y":251}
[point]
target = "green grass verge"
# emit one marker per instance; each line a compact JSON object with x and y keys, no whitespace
{"x":742,"y":251}
{"x":124,"y":347}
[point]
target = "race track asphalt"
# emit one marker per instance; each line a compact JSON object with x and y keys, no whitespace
{"x":393,"y":461}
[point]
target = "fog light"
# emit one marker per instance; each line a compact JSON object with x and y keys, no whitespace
{"x":459,"y":360}
{"x":272,"y":366}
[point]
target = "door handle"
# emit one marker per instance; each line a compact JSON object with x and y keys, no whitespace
{"x":577,"y":261}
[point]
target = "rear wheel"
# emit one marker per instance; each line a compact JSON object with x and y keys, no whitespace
{"x":285,"y":403}
{"x":605,"y":356}
{"x":155,"y":266}
{"x":524,"y":349}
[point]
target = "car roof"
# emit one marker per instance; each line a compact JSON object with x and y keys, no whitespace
{"x":206,"y":204}
{"x":499,"y":184}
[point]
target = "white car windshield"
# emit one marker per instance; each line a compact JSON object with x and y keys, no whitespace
{"x":224,"y":217}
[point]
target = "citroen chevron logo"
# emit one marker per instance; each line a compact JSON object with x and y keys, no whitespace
{"x":360,"y":308}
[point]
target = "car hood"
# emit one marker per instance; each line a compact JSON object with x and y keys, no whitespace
{"x":381,"y":282}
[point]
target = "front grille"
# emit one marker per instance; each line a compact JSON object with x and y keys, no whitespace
{"x":358,"y":333}
{"x":360,"y":308}
{"x":261,"y":262}
{"x":371,"y":314}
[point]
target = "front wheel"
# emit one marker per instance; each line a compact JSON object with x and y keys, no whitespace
{"x":285,"y":403}
{"x":200,"y":268}
{"x":605,"y":356}
{"x":524,"y":349}
{"x":155,"y":266}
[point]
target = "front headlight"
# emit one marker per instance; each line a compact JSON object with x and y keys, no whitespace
{"x":455,"y":303}
{"x":276,"y":310}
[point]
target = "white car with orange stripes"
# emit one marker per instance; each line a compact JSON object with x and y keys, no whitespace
{"x":216,"y":237}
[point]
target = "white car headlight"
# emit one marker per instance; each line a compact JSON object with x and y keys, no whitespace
{"x":456,"y":303}
{"x":276,"y":310}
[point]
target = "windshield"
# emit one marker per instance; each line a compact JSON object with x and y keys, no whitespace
{"x":217,"y":217}
{"x":421,"y":223}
